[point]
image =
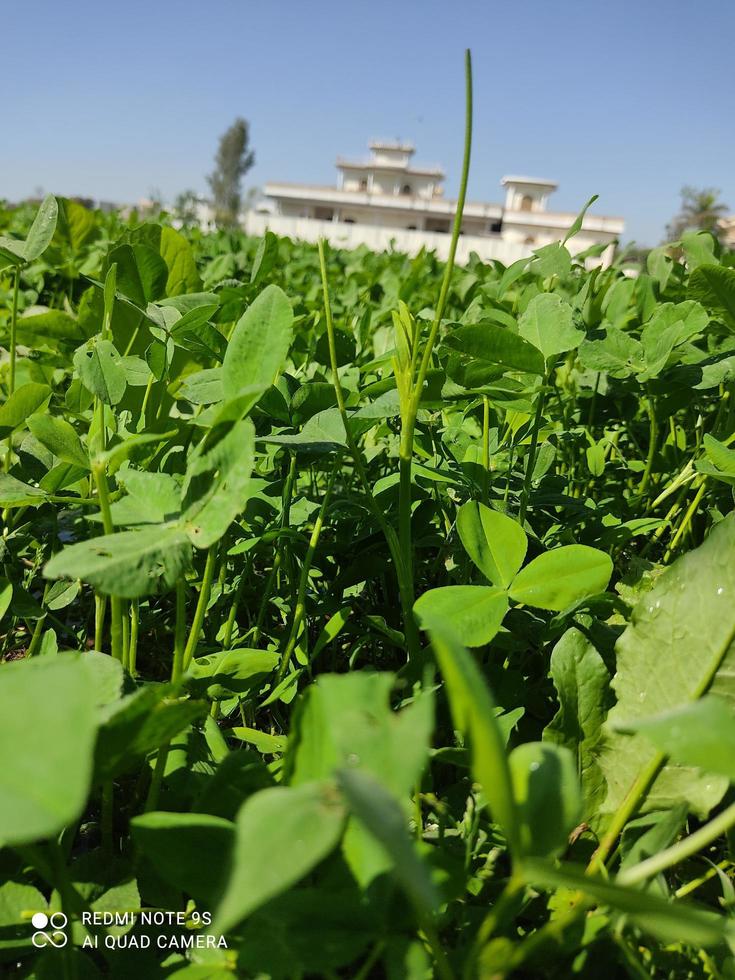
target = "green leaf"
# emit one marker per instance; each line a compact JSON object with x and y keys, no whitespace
{"x":576,"y":225}
{"x":47,"y":732}
{"x":127,"y":564}
{"x":13,"y":493}
{"x":102,"y":372}
{"x":671,"y":325}
{"x":216,"y":484}
{"x":547,"y":795}
{"x":474,"y":714}
{"x":60,"y":438}
{"x":24,"y":402}
{"x":677,"y":646}
{"x":473,"y":612}
{"x":496,"y":543}
{"x":671,"y":922}
{"x":177,"y":253}
{"x":382,"y":815}
{"x":497,"y":346}
{"x":191,"y":851}
{"x":583,"y":688}
{"x":42,"y":230}
{"x":561,"y":577}
{"x":699,"y":734}
{"x":281,"y":834}
{"x":617,"y":353}
{"x":259,"y":343}
{"x":141,"y":273}
{"x":714,"y":287}
{"x":220,"y":675}
{"x":136,"y":725}
{"x":202,"y":387}
{"x":346,"y":719}
{"x":548,"y":324}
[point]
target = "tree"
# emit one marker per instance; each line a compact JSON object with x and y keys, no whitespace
{"x":185,"y":207}
{"x":234,"y":159}
{"x":701,"y":210}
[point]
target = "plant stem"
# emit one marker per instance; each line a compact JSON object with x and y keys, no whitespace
{"x":531,"y":461}
{"x":652,"y":440}
{"x":304,"y":579}
{"x":201,"y":608}
{"x":116,"y":627}
{"x":134,"y":626}
{"x":680,"y":851}
{"x":485,"y":447}
{"x":177,"y":667}
{"x":13,"y":330}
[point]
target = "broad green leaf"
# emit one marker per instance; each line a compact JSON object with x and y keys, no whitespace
{"x":474,"y":714}
{"x":678,"y":645}
{"x":671,"y":325}
{"x":216,"y":484}
{"x":127,"y":564}
{"x":617,"y":353}
{"x":660,"y":265}
{"x":496,"y":543}
{"x":191,"y":851}
{"x":177,"y":253}
{"x":13,"y":493}
{"x":220,"y":675}
{"x":102,"y":372}
{"x":59,"y":436}
{"x":24,"y":402}
{"x":346,"y":719}
{"x":141,"y":273}
{"x":138,"y":724}
{"x":75,"y":224}
{"x":551,"y":260}
{"x":281,"y":834}
{"x":382,"y":815}
{"x":497,"y":346}
{"x":548,"y":324}
{"x":547,"y":795}
{"x":583,"y":689}
{"x":54,"y":329}
{"x":259,"y":343}
{"x":561,"y":577}
{"x":699,"y":249}
{"x":18,"y":902}
{"x":42,"y":230}
{"x":714,"y":287}
{"x":202,"y":387}
{"x":720,"y":460}
{"x":152,"y":498}
{"x":473,"y":612}
{"x":47,"y":732}
{"x":6,"y":595}
{"x":671,"y":922}
{"x":700,"y":734}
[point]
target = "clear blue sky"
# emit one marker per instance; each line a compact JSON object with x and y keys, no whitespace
{"x":626,"y":98}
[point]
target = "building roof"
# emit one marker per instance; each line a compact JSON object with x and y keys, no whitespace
{"x":536,"y":181}
{"x":402,"y":168}
{"x":397,"y":145}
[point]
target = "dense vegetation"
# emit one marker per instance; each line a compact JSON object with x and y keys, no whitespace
{"x":379,"y":610}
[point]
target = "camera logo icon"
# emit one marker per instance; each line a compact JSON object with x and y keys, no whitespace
{"x":49,"y":930}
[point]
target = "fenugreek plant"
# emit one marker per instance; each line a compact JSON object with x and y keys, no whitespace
{"x":365,"y":615}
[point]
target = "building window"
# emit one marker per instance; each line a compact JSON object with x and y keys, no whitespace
{"x":496,"y":227}
{"x":410,"y":227}
{"x":363,"y":184}
{"x":406,"y":189}
{"x":436,"y":224}
{"x":349,"y":221}
{"x":323,"y":214}
{"x":526,"y":203}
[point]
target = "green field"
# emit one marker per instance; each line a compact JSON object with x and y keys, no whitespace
{"x":375,"y":616}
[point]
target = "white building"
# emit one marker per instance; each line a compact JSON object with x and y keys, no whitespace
{"x":386,"y":201}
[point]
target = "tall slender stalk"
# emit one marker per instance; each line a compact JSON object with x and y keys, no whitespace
{"x":531,"y":461}
{"x":116,"y":613}
{"x":202,"y":603}
{"x":13,"y":330}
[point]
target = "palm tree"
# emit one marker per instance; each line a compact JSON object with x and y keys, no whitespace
{"x":701,"y":210}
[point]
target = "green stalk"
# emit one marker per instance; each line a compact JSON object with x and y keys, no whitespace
{"x":408,"y":416}
{"x":652,"y":444}
{"x":405,"y":589}
{"x":13,"y":330}
{"x":202,"y":603}
{"x":300,"y":610}
{"x":179,"y":632}
{"x":116,"y":627}
{"x":531,"y":461}
{"x":680,"y":851}
{"x":134,"y":627}
{"x":485,"y":447}
{"x":100,"y":608}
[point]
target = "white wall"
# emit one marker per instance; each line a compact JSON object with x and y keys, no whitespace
{"x":380,"y":239}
